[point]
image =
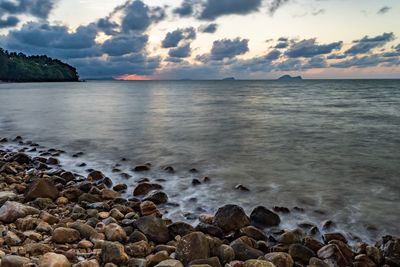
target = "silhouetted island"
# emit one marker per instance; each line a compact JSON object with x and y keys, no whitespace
{"x":229,"y":79}
{"x":290,"y":78}
{"x":22,"y":68}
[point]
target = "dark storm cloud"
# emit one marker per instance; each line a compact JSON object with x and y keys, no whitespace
{"x":367,"y":43}
{"x":229,"y":48}
{"x":309,"y":48}
{"x":107,"y":26}
{"x":138,"y":16}
{"x":8,"y":22}
{"x":172,"y":39}
{"x":180,"y":52}
{"x":384,"y":10}
{"x":275,"y":5}
{"x":210,"y":28}
{"x":213,"y":9}
{"x":37,"y":8}
{"x":185,"y":9}
{"x":121,"y":45}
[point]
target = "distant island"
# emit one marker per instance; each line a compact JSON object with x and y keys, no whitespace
{"x":229,"y":79}
{"x":22,"y":68}
{"x":290,"y":78}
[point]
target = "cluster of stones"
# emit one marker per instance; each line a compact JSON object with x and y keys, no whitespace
{"x":55,"y":218}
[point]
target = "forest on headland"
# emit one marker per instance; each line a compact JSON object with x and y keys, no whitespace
{"x":18,"y":67}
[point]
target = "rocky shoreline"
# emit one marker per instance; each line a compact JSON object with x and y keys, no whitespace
{"x":53,"y":217}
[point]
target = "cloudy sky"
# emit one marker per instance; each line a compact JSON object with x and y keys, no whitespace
{"x":209,"y":39}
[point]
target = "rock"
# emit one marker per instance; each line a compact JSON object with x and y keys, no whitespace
{"x":120,"y":187}
{"x":315,"y":262}
{"x":206,"y":218}
{"x":72,"y":193}
{"x":291,"y":237}
{"x":231,"y":218}
{"x":51,"y":259}
{"x":116,"y":214}
{"x":156,"y":196}
{"x":137,"y":236}
{"x":154,"y":228}
{"x":280,"y":259}
{"x":90,"y":198}
{"x":37,"y":249}
{"x":210,"y":229}
{"x":109,"y":194}
{"x":6,"y":195}
{"x":14,"y":261}
{"x":169,"y":169}
{"x":158,"y":257}
{"x":85,"y":244}
{"x":196,"y":182}
{"x":144,"y":188}
{"x":113,"y":252}
{"x":62,"y":201}
{"x":225,"y":254}
{"x":11,"y":239}
{"x":374,"y":254}
{"x":52,"y":161}
{"x":191,"y":247}
{"x":137,"y":262}
{"x":139,"y":249}
{"x":87,"y":263}
{"x":363,"y":261}
{"x":148,"y":208}
{"x":11,"y":211}
{"x":64,"y":235}
{"x":141,"y":168}
{"x":170,"y":263}
{"x":312,"y":244}
{"x":21,"y":158}
{"x":114,"y":232}
{"x":180,"y":228}
{"x":262,"y":217}
{"x":242,"y":188}
{"x":334,"y":236}
{"x":301,"y":253}
{"x":44,"y":203}
{"x":95,"y":176}
{"x":258,"y":263}
{"x":41,"y":188}
{"x":332,"y":252}
{"x":244,"y":251}
{"x":253,"y":232}
{"x":85,"y":230}
{"x":213,"y":262}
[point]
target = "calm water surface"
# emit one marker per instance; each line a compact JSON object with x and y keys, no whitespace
{"x":330,"y":147}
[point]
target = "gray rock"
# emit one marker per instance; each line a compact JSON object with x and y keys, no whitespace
{"x":154,"y":228}
{"x":192,"y":247}
{"x":11,"y":211}
{"x":231,"y":218}
{"x":262,"y":217}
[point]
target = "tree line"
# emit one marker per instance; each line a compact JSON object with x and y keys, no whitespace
{"x":18,"y":67}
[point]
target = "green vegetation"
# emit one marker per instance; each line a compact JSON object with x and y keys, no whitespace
{"x":21,"y":68}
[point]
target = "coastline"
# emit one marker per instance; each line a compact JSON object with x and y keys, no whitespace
{"x":53,"y":216}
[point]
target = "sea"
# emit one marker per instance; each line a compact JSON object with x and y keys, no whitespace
{"x":325,"y":149}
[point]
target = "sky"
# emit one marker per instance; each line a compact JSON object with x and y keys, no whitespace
{"x":209,"y":39}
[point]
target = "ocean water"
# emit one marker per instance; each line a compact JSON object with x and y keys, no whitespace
{"x":330,"y":147}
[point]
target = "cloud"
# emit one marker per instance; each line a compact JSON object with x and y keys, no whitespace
{"x":283,"y":42}
{"x":180,"y":52}
{"x":309,"y":48}
{"x":8,"y":22}
{"x":360,"y":62}
{"x":367,"y":43}
{"x":36,"y":8}
{"x":210,"y":28}
{"x":213,"y":9}
{"x":316,"y":62}
{"x":273,"y":55}
{"x":318,"y":12}
{"x":185,"y":9}
{"x":275,"y":5}
{"x":121,"y":45}
{"x":384,"y":10}
{"x":138,"y":16}
{"x":229,"y":48}
{"x":172,"y":39}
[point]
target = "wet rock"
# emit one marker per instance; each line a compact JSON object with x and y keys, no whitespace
{"x":253,"y":232}
{"x":14,"y":261}
{"x":210,"y":229}
{"x":231,"y":218}
{"x":225,"y":253}
{"x":363,"y":261}
{"x":213,"y":262}
{"x":180,"y":228}
{"x":156,"y":196}
{"x":312,"y":244}
{"x":148,"y":208}
{"x":95,"y":176}
{"x":144,"y":188}
{"x":243,"y":251}
{"x":374,"y":254}
{"x":116,"y":214}
{"x":42,"y":188}
{"x":332,"y":252}
{"x":170,"y":263}
{"x":154,"y":228}
{"x":258,"y":263}
{"x":90,"y":198}
{"x":138,"y":249}
{"x":334,"y":236}
{"x":158,"y":257}
{"x":242,"y":188}
{"x":291,"y":237}
{"x":52,"y":161}
{"x":87,"y":263}
{"x":261,"y":217}
{"x":72,"y":193}
{"x":344,"y":249}
{"x":114,"y":232}
{"x":120,"y":187}
{"x":11,"y":239}
{"x":280,"y":259}
{"x":191,"y":247}
{"x":281,"y":209}
{"x":196,"y":182}
{"x":315,"y":262}
{"x":113,"y":252}
{"x":53,"y":260}
{"x":301,"y":253}
{"x":64,"y":235}
{"x":206,"y":218}
{"x":169,"y":169}
{"x":141,"y":168}
{"x":21,"y":158}
{"x":109,"y":194}
{"x":327,"y":225}
{"x":11,"y":211}
{"x":137,"y":236}
{"x":390,"y":247}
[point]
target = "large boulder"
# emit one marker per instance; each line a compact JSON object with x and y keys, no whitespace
{"x":231,"y":218}
{"x":53,"y":260}
{"x":11,"y":211}
{"x":154,"y":228}
{"x":42,"y":188}
{"x":192,"y":247}
{"x":262,"y":217}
